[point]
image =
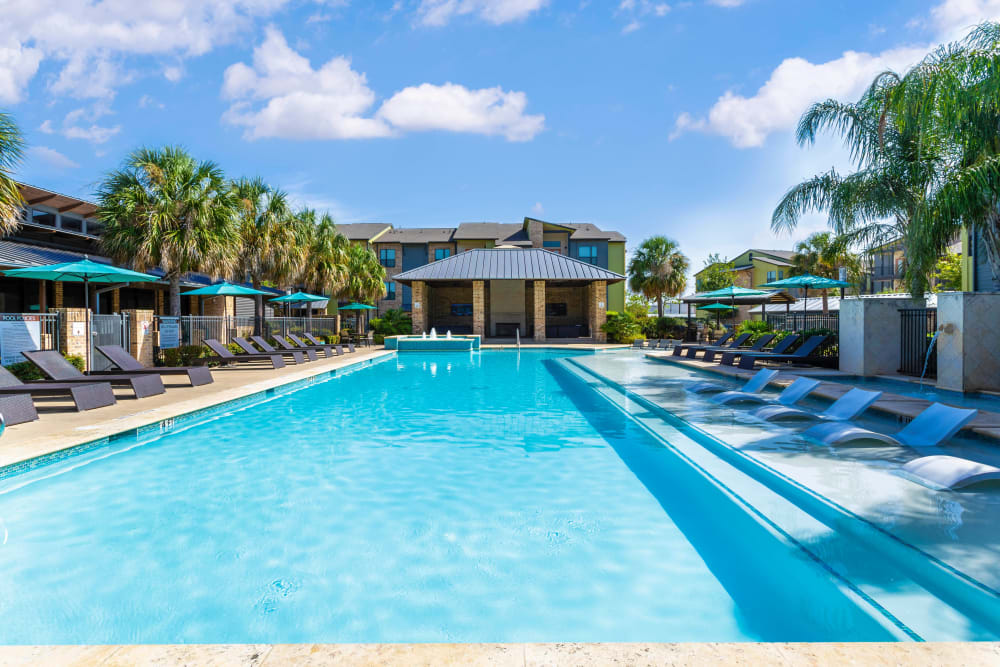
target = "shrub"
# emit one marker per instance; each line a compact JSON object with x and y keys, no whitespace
{"x":756,"y":329}
{"x":394,"y":322}
{"x":185,"y":355}
{"x":378,"y":339}
{"x":663,"y":327}
{"x":25,"y":371}
{"x":621,"y":327}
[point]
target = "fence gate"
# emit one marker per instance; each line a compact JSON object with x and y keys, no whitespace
{"x":917,"y":327}
{"x":105,"y":330}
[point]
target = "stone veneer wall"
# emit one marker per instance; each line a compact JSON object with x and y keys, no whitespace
{"x":968,"y":346}
{"x":73,"y":339}
{"x":574,"y":298}
{"x":421,"y":306}
{"x":431,"y":247}
{"x":141,"y":335}
{"x":220,"y":306}
{"x":539,"y":308}
{"x":440,"y":301}
{"x":598,"y":309}
{"x":479,"y":307}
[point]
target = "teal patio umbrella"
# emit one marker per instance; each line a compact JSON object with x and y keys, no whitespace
{"x":731,"y":293}
{"x":82,"y":271}
{"x":224,"y":289}
{"x":805,"y":281}
{"x":357,"y":308}
{"x":299,"y":297}
{"x":717,"y":308}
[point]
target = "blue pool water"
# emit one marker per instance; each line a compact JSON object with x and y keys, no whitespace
{"x":433,"y":497}
{"x":926,"y":391}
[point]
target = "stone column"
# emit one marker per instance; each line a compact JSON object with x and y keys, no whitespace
{"x":58,"y":295}
{"x":479,"y":307}
{"x":598,"y":309}
{"x":421,"y":306}
{"x":116,"y":300}
{"x":158,"y":301}
{"x":968,"y":356}
{"x":43,"y":305}
{"x":73,"y":323}
{"x":539,"y":315}
{"x":193,"y":302}
{"x":140,"y":334}
{"x":870,"y":332}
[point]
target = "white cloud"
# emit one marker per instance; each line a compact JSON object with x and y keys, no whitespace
{"x":538,"y":209}
{"x":635,"y":10}
{"x":631,"y":27}
{"x":726,"y":3}
{"x":52,"y":157}
{"x":18,"y":64}
{"x":796,"y":83}
{"x":281,"y":95}
{"x":90,"y":36}
{"x":149,"y":102}
{"x":440,"y":12}
{"x":46,"y":127}
{"x":455,"y":108}
{"x":173,"y":73}
{"x":82,"y":124}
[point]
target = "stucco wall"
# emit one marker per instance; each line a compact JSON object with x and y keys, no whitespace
{"x":968,"y":347}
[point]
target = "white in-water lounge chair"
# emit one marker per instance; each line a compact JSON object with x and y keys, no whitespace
{"x":949,"y":472}
{"x":791,"y":395}
{"x":845,"y":408}
{"x":754,"y":385}
{"x":931,"y":427}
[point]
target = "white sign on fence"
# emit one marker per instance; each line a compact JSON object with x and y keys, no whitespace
{"x":18,"y":333}
{"x":169,"y":333}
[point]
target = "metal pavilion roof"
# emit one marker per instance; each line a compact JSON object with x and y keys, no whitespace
{"x":509,"y":264}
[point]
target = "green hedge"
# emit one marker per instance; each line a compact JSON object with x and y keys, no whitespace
{"x":25,"y":371}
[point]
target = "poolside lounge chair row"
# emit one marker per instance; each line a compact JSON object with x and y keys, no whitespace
{"x":94,"y":390}
{"x":749,"y":357}
{"x":934,"y":426}
{"x":655,"y":344}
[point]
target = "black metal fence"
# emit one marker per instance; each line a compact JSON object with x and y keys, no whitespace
{"x":801,"y":321}
{"x":917,"y":327}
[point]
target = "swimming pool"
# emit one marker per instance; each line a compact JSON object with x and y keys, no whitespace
{"x":487,"y":496}
{"x":926,"y":391}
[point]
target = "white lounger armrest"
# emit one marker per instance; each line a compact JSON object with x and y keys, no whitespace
{"x":776,"y":412}
{"x":838,"y":433}
{"x":949,"y":472}
{"x":705,"y":387}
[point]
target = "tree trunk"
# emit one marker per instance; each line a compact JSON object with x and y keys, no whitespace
{"x":659,"y":305}
{"x":990,"y":234}
{"x":258,"y":310}
{"x":826,"y":306}
{"x":175,"y":295}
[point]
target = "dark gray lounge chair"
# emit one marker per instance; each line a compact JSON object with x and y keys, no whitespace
{"x":17,"y":406}
{"x":350,"y":347}
{"x":710,"y":353}
{"x":325,"y":349}
{"x":729,"y":357}
{"x":638,"y":343}
{"x":315,"y":341}
{"x":55,"y":367}
{"x":719,"y":343}
{"x":284,"y":345}
{"x":749,"y":359}
{"x":692,"y":351}
{"x":340,"y":350}
{"x":223,"y":355}
{"x":119,"y":356}
{"x":296,"y":356}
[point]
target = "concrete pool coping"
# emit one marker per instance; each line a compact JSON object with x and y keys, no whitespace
{"x":985,"y":423}
{"x":790,"y":654}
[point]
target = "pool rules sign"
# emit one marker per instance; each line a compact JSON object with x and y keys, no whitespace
{"x":19,"y":333}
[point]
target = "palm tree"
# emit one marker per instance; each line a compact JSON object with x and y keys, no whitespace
{"x":270,"y":239}
{"x":823,"y":254}
{"x":658,"y":269}
{"x":325,"y":268}
{"x":896,"y":169}
{"x":11,"y":153}
{"x":163,"y":209}
{"x":365,"y":279}
{"x":953,"y":96}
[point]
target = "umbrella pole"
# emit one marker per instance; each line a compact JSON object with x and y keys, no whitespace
{"x":805,"y":305}
{"x":86,"y":307}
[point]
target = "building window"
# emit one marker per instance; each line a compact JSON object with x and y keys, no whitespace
{"x":770,"y":276}
{"x":555,"y":310}
{"x":588,"y":253}
{"x":43,"y":218}
{"x":461,"y":310}
{"x":72,"y":224}
{"x":552,"y":245}
{"x":387,"y":257}
{"x":441,"y":253}
{"x":390,"y":291}
{"x":781,"y":274}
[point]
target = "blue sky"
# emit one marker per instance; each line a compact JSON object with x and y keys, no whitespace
{"x":646,"y":117}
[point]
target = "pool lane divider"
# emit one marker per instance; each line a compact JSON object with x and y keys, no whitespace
{"x":149,"y":432}
{"x":954,"y":587}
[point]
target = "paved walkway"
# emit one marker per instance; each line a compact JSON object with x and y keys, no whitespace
{"x":792,"y":655}
{"x":60,"y":426}
{"x":985,"y":423}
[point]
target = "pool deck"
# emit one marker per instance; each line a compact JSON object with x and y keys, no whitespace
{"x":792,"y":655}
{"x":985,"y":423}
{"x":60,"y":426}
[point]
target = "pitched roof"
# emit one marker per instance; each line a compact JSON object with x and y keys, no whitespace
{"x":514,"y":264}
{"x":363,"y":231}
{"x":780,"y":254}
{"x":585,"y":231}
{"x":417,"y":235}
{"x":34,"y":196}
{"x":490,"y":231}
